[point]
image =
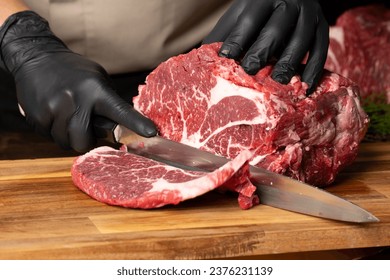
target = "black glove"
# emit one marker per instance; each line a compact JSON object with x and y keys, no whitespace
{"x":59,"y":90}
{"x":283,"y":29}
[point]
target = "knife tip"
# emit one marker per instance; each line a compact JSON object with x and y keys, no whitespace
{"x":373,"y":219}
{"x":368,"y":219}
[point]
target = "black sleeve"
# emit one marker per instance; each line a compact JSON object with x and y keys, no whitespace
{"x":332,"y":9}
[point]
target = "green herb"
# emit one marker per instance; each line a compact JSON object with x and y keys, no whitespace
{"x":378,"y":110}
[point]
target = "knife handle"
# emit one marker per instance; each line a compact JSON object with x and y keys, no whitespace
{"x":105,"y":129}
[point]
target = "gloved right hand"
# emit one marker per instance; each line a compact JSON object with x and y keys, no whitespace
{"x":286,"y":30}
{"x":61,"y":91}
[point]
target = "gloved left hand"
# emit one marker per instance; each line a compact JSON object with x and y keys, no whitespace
{"x":285,"y":29}
{"x":60,"y":91}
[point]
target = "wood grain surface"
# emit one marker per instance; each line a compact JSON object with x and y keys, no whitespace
{"x":44,"y":216}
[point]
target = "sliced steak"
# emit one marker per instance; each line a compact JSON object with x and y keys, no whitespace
{"x":119,"y":178}
{"x":210,"y":103}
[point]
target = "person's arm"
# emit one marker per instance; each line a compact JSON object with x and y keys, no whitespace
{"x":9,"y":7}
{"x":59,"y":91}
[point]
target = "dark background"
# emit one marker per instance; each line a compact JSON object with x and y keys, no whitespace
{"x":333,"y":9}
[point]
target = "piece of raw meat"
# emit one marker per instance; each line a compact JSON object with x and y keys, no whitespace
{"x":117,"y":177}
{"x":360,"y":48}
{"x":209,"y":102}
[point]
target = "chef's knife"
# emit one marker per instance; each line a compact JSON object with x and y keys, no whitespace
{"x":273,"y":189}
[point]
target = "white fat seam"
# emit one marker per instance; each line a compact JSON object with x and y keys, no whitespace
{"x":222,"y":89}
{"x":194,"y":139}
{"x":163,"y":185}
{"x":204,"y":183}
{"x":337,"y":33}
{"x":225,"y":88}
{"x":186,"y":189}
{"x":258,"y":158}
{"x":332,"y":58}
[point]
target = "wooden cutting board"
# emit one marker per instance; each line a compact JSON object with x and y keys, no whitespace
{"x":44,"y":216}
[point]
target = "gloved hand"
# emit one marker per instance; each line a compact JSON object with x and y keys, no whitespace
{"x":59,"y":90}
{"x":282,"y":29}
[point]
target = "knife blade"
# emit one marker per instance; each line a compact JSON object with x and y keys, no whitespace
{"x":273,"y":189}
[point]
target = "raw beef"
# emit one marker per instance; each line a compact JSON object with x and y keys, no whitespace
{"x":116,"y":177}
{"x":210,"y":103}
{"x":360,"y":48}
